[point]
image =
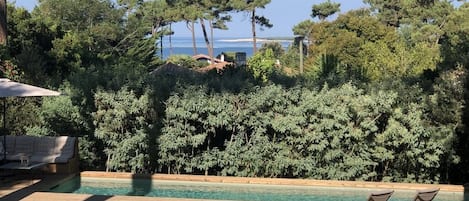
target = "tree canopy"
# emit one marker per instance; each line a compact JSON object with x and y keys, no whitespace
{"x":324,"y":10}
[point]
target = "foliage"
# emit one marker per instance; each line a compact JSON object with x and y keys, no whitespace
{"x":262,"y":64}
{"x":456,"y":36}
{"x":61,"y":116}
{"x":324,"y":10}
{"x":185,"y":61}
{"x":338,"y":133}
{"x":389,"y":12}
{"x":122,"y":122}
{"x":303,"y":28}
{"x":9,"y":70}
{"x":21,"y":113}
{"x":397,"y":60}
{"x":290,"y":60}
{"x":370,"y":51}
{"x":276,"y":47}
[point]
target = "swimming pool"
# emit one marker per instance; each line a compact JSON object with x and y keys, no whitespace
{"x":227,"y":191}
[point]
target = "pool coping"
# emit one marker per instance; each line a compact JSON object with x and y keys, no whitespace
{"x":47,"y":196}
{"x":276,"y":181}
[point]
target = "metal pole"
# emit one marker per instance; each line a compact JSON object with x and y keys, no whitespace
{"x":4,"y":129}
{"x":4,"y":112}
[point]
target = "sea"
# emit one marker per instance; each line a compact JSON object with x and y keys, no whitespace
{"x":183,"y":45}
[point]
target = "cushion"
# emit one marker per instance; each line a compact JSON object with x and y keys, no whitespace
{"x":50,"y":158}
{"x":10,"y":143}
{"x":40,"y":149}
{"x":24,"y":144}
{"x":1,"y":150}
{"x":14,"y":156}
{"x":65,"y":148}
{"x":62,"y":159}
{"x":44,"y":145}
{"x":1,"y":146}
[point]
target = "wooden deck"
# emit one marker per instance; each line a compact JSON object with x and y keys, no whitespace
{"x":33,"y":188}
{"x":19,"y":186}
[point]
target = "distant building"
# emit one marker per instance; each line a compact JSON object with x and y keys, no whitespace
{"x":206,"y":58}
{"x":218,"y":63}
{"x":240,"y":58}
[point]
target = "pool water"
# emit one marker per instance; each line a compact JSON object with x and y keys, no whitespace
{"x":223,"y":191}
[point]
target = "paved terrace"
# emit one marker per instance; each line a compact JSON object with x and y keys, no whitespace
{"x":27,"y":187}
{"x":20,"y":185}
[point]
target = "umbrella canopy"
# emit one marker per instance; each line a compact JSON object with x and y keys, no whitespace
{"x":9,"y":88}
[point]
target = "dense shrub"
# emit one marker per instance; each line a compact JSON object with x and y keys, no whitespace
{"x":340,"y":133}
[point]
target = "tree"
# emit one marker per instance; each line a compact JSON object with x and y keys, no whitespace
{"x":303,"y":28}
{"x":395,"y":13}
{"x":30,"y":42}
{"x":262,"y":64}
{"x":390,"y":12}
{"x":250,"y":6}
{"x":213,"y":12}
{"x":370,"y":50}
{"x":455,"y":49}
{"x":3,"y":22}
{"x":324,"y":10}
{"x":191,"y":15}
{"x":122,"y":122}
{"x":92,"y":30}
{"x":218,"y":12}
{"x":276,"y":47}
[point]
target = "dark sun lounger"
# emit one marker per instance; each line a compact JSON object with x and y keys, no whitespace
{"x":426,"y":194}
{"x":380,"y":195}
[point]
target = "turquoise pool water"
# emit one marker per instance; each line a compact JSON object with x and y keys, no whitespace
{"x":223,"y":191}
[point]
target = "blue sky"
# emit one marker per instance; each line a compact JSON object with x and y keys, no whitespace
{"x":283,"y":14}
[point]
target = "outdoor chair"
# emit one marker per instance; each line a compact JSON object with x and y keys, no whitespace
{"x":426,"y":194}
{"x":380,"y":195}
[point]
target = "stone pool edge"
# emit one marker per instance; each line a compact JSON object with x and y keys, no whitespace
{"x":277,"y":181}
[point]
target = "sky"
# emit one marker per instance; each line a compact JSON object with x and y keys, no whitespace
{"x":283,"y":14}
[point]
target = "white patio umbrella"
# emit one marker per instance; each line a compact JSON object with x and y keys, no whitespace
{"x":10,"y":88}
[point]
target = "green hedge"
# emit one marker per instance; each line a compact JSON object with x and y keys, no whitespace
{"x":341,"y":133}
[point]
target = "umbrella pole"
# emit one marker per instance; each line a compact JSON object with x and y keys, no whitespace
{"x":4,"y":130}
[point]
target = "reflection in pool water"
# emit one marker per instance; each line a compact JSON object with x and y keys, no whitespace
{"x":223,"y":191}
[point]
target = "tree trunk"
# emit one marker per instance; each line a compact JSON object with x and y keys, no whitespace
{"x":204,"y":30}
{"x":108,"y":161}
{"x":191,"y":27}
{"x":208,"y":151}
{"x":253,"y":28}
{"x":3,"y":22}
{"x":161,"y":47}
{"x":211,"y":52}
{"x":301,"y":56}
{"x":170,"y":40}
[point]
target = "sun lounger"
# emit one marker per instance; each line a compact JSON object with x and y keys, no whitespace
{"x":426,"y":194}
{"x":380,"y":195}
